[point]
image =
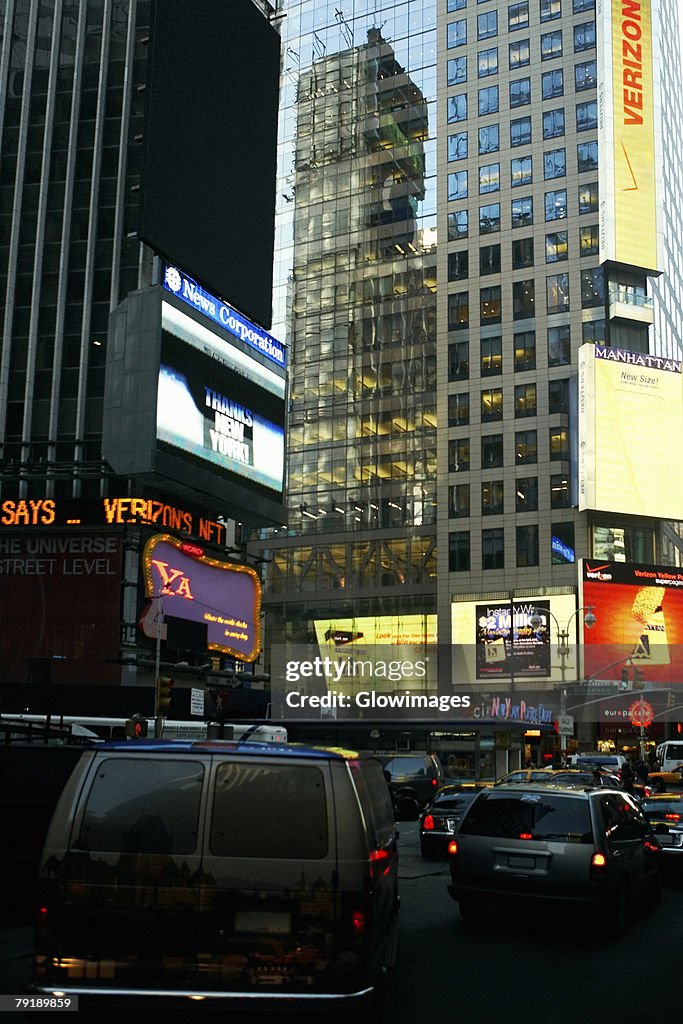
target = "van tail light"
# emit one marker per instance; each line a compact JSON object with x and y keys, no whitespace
{"x":380,"y":863}
{"x":525,"y":835}
{"x":598,"y":865}
{"x":435,"y":782}
{"x":41,"y":917}
{"x":452,"y":848}
{"x":358,"y":924}
{"x":428,"y":823}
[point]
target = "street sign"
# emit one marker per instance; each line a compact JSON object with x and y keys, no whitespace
{"x":641,"y":712}
{"x":565,"y":725}
{"x":196,"y":701}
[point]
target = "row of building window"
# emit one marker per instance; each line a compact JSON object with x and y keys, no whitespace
{"x":548,"y":9}
{"x":524,"y":299}
{"x":493,"y":449}
{"x":493,"y":496}
{"x":526,"y":545}
{"x":523,"y":352}
{"x":585,"y":72}
{"x":519,"y":50}
{"x":488,"y":137}
{"x":491,"y":409}
{"x":555,"y":205}
{"x":521,"y":171}
{"x":522,"y":253}
{"x":488,"y":102}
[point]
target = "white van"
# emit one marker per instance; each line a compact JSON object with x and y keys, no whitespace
{"x":176,"y":871}
{"x":610,"y":762}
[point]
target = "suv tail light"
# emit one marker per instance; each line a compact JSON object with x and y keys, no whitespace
{"x":428,"y":823}
{"x":598,"y":865}
{"x":452,"y":848}
{"x":358,"y":924}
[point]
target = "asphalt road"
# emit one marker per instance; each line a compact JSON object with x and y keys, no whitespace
{"x":539,"y":969}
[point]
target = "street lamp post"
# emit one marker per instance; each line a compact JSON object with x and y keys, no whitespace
{"x":563,"y":650}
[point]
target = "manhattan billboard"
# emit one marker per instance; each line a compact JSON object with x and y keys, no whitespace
{"x":628,"y":134}
{"x":638,"y":620}
{"x":630,"y":409}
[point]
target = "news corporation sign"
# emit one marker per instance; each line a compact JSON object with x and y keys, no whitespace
{"x":188,"y":291}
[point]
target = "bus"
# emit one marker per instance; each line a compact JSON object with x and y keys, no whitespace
{"x":670,"y":755}
{"x":89,"y":728}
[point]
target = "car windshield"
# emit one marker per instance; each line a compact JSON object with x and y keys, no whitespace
{"x":452,"y":801}
{"x":529,"y":816}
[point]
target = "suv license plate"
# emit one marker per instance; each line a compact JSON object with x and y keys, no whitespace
{"x":521,"y":862}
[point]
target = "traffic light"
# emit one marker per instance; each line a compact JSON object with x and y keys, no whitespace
{"x":671,"y":700}
{"x":638,"y":679}
{"x":164,"y":693}
{"x":625,"y":678}
{"x":136,"y":728}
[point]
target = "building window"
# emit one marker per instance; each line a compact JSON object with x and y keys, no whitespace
{"x":521,"y":171}
{"x":458,"y":310}
{"x":587,"y":156}
{"x":459,"y":410}
{"x":589,"y":240}
{"x":488,"y":100}
{"x":489,"y":178}
{"x":458,"y":265}
{"x":594,"y":332}
{"x":458,"y":225}
{"x":489,"y":259}
{"x":556,"y":247}
{"x":489,"y":139}
{"x":554,"y":164}
{"x":458,"y":501}
{"x":522,"y":253}
{"x":525,"y":400}
{"x":492,"y":498}
{"x":552,"y":84}
{"x":459,"y":455}
{"x":491,"y":356}
{"x":586,"y":75}
{"x":553,"y":123}
{"x":489,"y":219}
{"x":520,"y":92}
{"x":457,"y":185}
{"x":522,"y":212}
{"x":493,"y":549}
{"x":558,"y":440}
{"x":557,"y":293}
{"x":525,"y":350}
{"x":562,"y":544}
{"x":588,"y":198}
{"x":457,"y":108}
{"x":456,"y":33}
{"x":586,"y":116}
{"x":584,"y":36}
{"x":551,"y":44}
{"x":459,"y":551}
{"x":518,"y":16}
{"x":455,"y":5}
{"x":556,"y":204}
{"x":491,"y":405}
{"x":526,"y":498}
{"x":487,"y":62}
{"x":456,"y":70}
{"x":519,"y":54}
{"x":527,"y":545}
{"x":583,"y":5}
{"x":559,"y":346}
{"x":558,"y":396}
{"x":490,"y":305}
{"x":550,"y":10}
{"x":592,"y":288}
{"x":487,"y":25}
{"x":523,"y":298}
{"x":559,"y":491}
{"x":520,"y":131}
{"x":491,"y":451}
{"x":526,"y":447}
{"x":459,"y":360}
{"x":457,"y":146}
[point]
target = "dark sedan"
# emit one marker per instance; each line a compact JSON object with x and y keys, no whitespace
{"x":665,"y":813}
{"x":441,"y":817}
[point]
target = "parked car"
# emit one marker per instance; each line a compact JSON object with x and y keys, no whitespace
{"x":440,"y":818}
{"x":552,"y":844}
{"x":231,"y":873}
{"x":665,"y":814}
{"x":412,"y":777}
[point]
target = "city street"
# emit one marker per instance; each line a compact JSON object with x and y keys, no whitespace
{"x":526,"y":969}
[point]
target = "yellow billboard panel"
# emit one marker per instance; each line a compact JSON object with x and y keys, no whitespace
{"x":630,"y":425}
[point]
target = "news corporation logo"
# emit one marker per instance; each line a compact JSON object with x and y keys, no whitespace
{"x":173,"y":279}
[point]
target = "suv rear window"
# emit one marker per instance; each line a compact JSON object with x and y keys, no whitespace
{"x":409,"y":767}
{"x":533,"y":815}
{"x":269,"y":810}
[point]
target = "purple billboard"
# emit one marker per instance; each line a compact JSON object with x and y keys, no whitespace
{"x":192,"y":586}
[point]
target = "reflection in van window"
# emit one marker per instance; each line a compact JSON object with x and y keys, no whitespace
{"x":375,"y":800}
{"x":142,"y":805}
{"x":269,"y":811}
{"x":539,"y":816}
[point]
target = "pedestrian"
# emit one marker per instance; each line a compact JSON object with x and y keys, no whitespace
{"x":626,"y":775}
{"x":641,"y":771}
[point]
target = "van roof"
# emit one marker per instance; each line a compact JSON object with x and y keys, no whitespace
{"x":247,"y":749}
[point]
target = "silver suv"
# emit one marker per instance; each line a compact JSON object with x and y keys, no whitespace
{"x":547,"y":843}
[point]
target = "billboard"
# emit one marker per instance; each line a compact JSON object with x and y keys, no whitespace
{"x":639,"y":620}
{"x":192,"y":586}
{"x":495,"y":641}
{"x":630,"y":407}
{"x":627,"y":132}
